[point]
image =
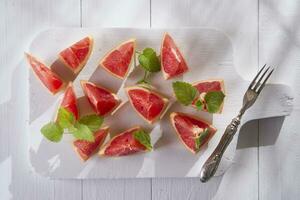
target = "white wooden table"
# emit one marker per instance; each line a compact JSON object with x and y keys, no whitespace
{"x":267,"y":161}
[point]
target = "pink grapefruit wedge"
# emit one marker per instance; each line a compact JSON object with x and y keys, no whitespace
{"x":48,"y":78}
{"x":123,"y":144}
{"x":101,"y":99}
{"x":172,"y":61}
{"x":209,"y":86}
{"x":190,"y":128}
{"x":69,"y":101}
{"x":147,"y":103}
{"x":86,"y":149}
{"x":117,"y":61}
{"x":76,"y":56}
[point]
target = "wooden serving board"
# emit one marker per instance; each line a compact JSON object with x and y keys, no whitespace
{"x":209,"y":54}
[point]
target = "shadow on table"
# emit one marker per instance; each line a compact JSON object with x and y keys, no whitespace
{"x":255,"y":133}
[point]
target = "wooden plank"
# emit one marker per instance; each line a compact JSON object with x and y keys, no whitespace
{"x":22,"y":20}
{"x":279,"y":150}
{"x":116,"y":13}
{"x":68,"y":189}
{"x":134,"y":189}
{"x":240,"y":25}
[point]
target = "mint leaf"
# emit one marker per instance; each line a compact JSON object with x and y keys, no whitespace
{"x":65,"y":118}
{"x":199,"y":105}
{"x":93,"y":122}
{"x":82,"y":132}
{"x":144,"y":138}
{"x":149,"y":60}
{"x":199,"y":140}
{"x":184,"y":92}
{"x":214,"y":100}
{"x":52,"y":132}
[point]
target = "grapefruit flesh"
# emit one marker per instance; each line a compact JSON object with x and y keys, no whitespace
{"x":86,"y":149}
{"x":69,"y":101}
{"x":49,"y":79}
{"x":76,"y":56}
{"x":209,"y":86}
{"x":148,"y":104}
{"x":101,"y":99}
{"x":188,"y":129}
{"x":172,"y":61}
{"x":123,"y":144}
{"x":118,"y":60}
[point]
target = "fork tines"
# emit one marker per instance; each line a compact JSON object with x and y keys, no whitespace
{"x":263,"y":75}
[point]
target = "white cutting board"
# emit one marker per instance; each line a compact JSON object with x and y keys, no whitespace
{"x":209,"y":54}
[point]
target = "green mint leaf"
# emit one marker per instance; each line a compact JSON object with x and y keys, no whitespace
{"x":144,"y":138}
{"x":214,"y":100}
{"x":93,"y":122}
{"x":82,"y":132}
{"x":65,"y":118}
{"x":199,"y":140}
{"x":72,"y":128}
{"x":184,"y":92}
{"x":199,"y":104}
{"x":52,"y":132}
{"x":149,"y":60}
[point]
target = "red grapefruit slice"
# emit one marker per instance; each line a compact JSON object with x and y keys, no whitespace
{"x":102,"y":100}
{"x":49,"y":79}
{"x":123,"y":144}
{"x":147,"y":103}
{"x":76,"y":56}
{"x":209,"y":86}
{"x":86,"y":149}
{"x":118,"y":60}
{"x":69,"y":101}
{"x":172,"y":61}
{"x":190,"y":128}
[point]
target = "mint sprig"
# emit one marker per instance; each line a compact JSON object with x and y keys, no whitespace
{"x":93,"y":122}
{"x":149,"y":60}
{"x":184,"y":92}
{"x":82,"y":129}
{"x":65,"y":119}
{"x":82,"y":132}
{"x":201,"y":138}
{"x":199,"y":105}
{"x":214,"y":101}
{"x":150,"y":63}
{"x":144,"y":138}
{"x":52,"y":132}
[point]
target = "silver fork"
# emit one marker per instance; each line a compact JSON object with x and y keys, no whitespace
{"x":210,"y":166}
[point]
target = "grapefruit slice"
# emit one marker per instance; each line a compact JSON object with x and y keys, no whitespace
{"x":86,"y":149}
{"x":209,"y":86}
{"x":192,"y":131}
{"x":147,"y":103}
{"x":123,"y":144}
{"x":76,"y":56}
{"x":102,"y":100}
{"x":69,"y":101}
{"x":118,"y":60}
{"x":49,"y":78}
{"x":172,"y":61}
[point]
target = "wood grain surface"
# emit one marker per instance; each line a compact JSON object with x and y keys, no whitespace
{"x":268,"y":155}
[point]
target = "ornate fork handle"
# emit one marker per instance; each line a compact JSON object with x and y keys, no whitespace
{"x":210,"y":166}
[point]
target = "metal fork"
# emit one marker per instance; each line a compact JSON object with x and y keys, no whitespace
{"x":210,"y":166}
